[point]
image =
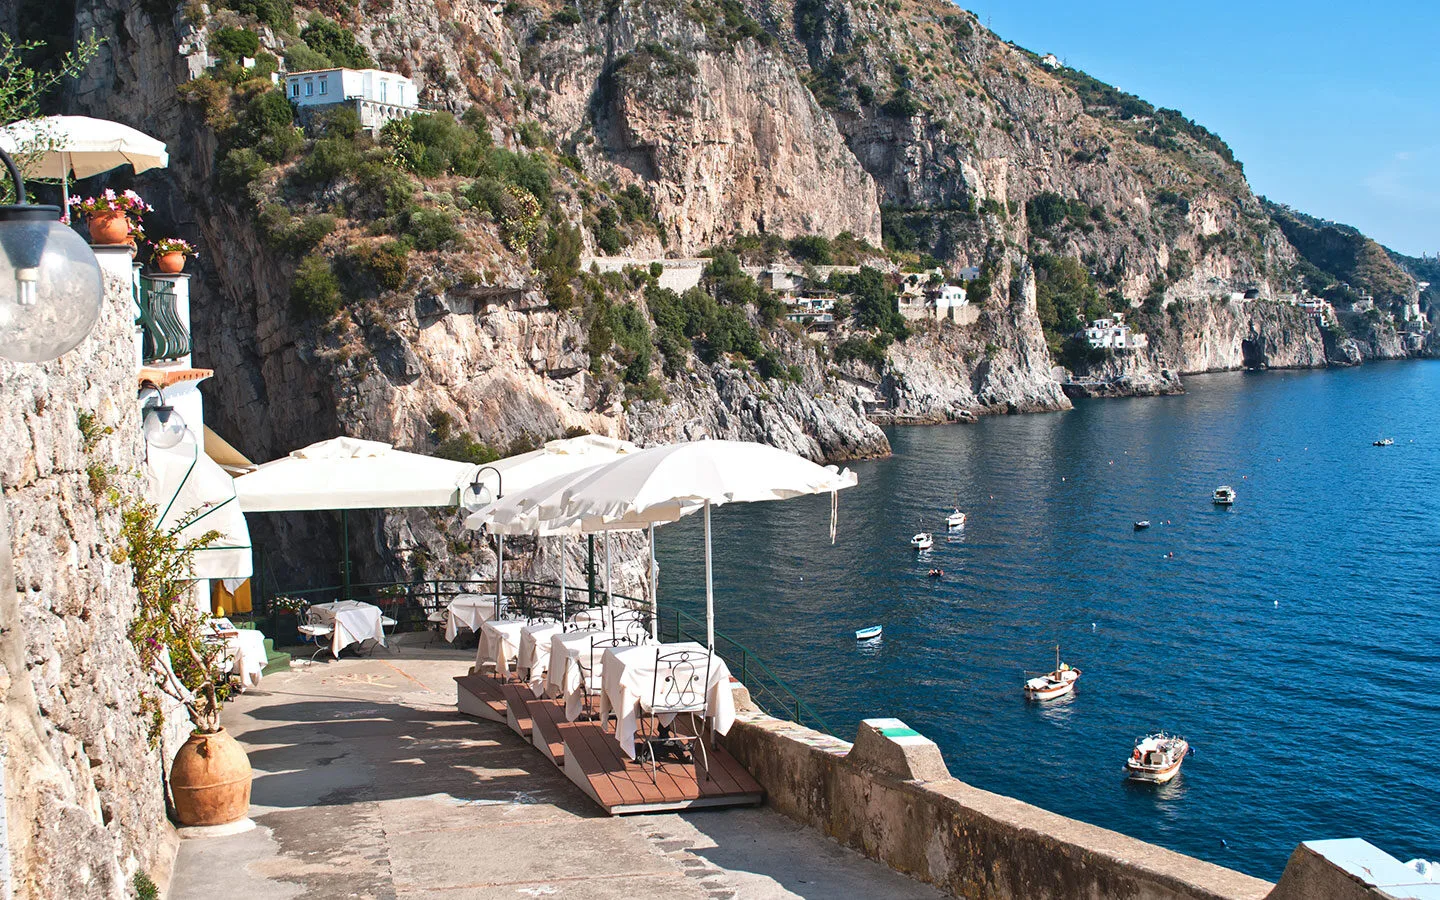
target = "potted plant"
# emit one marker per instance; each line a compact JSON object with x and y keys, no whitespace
{"x":210,"y":777}
{"x":113,"y":218}
{"x":169,"y":255}
{"x":288,"y":611}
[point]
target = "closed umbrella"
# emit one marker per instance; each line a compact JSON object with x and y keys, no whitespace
{"x":194,"y":496}
{"x":59,"y":146}
{"x":661,"y":483}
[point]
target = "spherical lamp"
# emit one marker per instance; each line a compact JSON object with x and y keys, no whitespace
{"x":164,"y":427}
{"x":51,"y":289}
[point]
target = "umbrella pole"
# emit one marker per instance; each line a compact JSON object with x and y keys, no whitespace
{"x":654,"y":590}
{"x":590,"y":571}
{"x":709,"y":587}
{"x":562,"y":576}
{"x":64,"y":186}
{"x":609,"y":594}
{"x":344,"y":554}
{"x":499,"y":571}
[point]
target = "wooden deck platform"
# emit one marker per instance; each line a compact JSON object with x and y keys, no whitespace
{"x":590,"y":756}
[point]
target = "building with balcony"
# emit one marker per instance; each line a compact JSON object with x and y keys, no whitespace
{"x":379,"y":97}
{"x":814,"y":312}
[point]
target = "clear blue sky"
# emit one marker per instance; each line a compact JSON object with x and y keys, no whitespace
{"x":1334,"y":108}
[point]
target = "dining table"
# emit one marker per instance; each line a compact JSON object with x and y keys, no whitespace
{"x":569,"y":652}
{"x":351,"y":621}
{"x":499,"y":643}
{"x":468,"y":611}
{"x":532,"y":659}
{"x":629,"y":678}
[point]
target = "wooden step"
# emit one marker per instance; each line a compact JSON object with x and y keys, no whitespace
{"x":517,"y":714}
{"x":594,"y":761}
{"x":546,"y":717}
{"x":480,"y":696}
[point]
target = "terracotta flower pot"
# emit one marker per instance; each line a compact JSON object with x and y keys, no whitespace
{"x":210,"y":780}
{"x":170,"y":263}
{"x":109,"y":228}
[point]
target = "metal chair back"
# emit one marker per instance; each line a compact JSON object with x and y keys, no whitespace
{"x":682,"y":679}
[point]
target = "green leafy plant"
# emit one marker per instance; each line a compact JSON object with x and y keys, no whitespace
{"x":170,"y":633}
{"x":315,"y":292}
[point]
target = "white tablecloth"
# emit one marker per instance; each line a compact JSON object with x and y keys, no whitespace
{"x":564,"y":679}
{"x":628,"y":677}
{"x":353,"y":622}
{"x":468,"y":611}
{"x":247,"y":656}
{"x":500,"y":642}
{"x":533,"y":657}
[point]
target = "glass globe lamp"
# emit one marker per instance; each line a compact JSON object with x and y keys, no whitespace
{"x":51,"y":289}
{"x":164,"y":427}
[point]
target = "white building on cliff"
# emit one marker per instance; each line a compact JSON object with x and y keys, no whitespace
{"x":379,"y":97}
{"x":1113,"y":334}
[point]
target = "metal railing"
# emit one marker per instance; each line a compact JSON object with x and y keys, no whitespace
{"x":768,"y":690}
{"x":410,"y":603}
{"x":165,"y":336}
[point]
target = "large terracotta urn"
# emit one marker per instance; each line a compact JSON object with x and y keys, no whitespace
{"x":210,"y":780}
{"x":170,"y":263}
{"x":109,"y":228}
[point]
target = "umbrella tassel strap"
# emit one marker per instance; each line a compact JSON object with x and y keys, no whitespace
{"x":834,"y":514}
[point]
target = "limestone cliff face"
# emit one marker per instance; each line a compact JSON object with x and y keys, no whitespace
{"x":1206,"y":336}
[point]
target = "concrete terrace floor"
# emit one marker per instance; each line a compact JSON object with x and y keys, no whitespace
{"x":369,"y":784}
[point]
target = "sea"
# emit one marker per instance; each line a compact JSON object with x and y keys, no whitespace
{"x":1293,"y":638}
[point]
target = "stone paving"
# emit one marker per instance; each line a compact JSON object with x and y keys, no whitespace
{"x":368,"y":784}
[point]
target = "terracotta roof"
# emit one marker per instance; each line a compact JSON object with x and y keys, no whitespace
{"x":167,"y":377}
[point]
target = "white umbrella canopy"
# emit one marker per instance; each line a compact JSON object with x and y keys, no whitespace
{"x":348,"y":473}
{"x":59,"y":146}
{"x":194,"y":496}
{"x":659,"y":484}
{"x":557,"y":458}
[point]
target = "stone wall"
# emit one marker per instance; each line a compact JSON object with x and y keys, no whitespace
{"x":895,"y":802}
{"x":83,"y":789}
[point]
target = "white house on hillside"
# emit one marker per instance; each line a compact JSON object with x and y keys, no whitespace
{"x":1114,"y":334}
{"x":378,"y":97}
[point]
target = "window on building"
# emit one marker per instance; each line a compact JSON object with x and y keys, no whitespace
{"x":309,"y":88}
{"x":294,"y":88}
{"x":322,"y":85}
{"x":382,"y":91}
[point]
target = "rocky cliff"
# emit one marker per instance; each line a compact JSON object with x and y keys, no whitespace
{"x":353,"y":285}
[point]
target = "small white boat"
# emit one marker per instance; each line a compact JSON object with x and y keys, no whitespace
{"x":1384,"y":442}
{"x":1142,"y":524}
{"x":923,"y":541}
{"x":1156,"y":758}
{"x":868,"y":634}
{"x":955,"y":521}
{"x":1054,"y":684}
{"x":1224,"y":495}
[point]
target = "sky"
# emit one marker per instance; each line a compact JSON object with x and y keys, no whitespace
{"x":1334,"y":108}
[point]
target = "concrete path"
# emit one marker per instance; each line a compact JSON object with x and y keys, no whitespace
{"x":368,"y":784}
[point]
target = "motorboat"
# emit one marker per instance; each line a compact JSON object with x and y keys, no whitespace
{"x":1054,"y":684}
{"x":1224,"y":495}
{"x":955,"y":521}
{"x":868,"y":634}
{"x":1142,"y":524}
{"x":923,"y":541}
{"x":1156,"y":758}
{"x":1383,"y":442}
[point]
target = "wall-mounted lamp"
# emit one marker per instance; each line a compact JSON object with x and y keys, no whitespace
{"x":476,"y":495}
{"x":51,"y":289}
{"x":164,"y":427}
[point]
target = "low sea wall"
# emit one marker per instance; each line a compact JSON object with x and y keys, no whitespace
{"x":890,"y":796}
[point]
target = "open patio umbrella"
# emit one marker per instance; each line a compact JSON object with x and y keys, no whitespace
{"x":516,"y":474}
{"x":661,"y":483}
{"x":194,"y":496}
{"x":59,"y":146}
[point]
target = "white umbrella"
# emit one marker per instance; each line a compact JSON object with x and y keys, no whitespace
{"x":58,"y":146}
{"x":659,"y":485}
{"x":194,"y":496}
{"x":516,"y":474}
{"x":348,"y":473}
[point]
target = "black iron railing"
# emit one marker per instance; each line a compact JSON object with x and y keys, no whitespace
{"x":165,"y":335}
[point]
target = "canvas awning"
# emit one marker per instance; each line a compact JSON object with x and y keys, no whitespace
{"x":349,"y":473}
{"x":229,"y":459}
{"x":193,"y":496}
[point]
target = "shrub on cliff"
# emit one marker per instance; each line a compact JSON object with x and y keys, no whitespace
{"x":235,"y":43}
{"x":315,"y":292}
{"x":1065,"y":298}
{"x":336,"y":43}
{"x":387,"y":263}
{"x":278,"y":14}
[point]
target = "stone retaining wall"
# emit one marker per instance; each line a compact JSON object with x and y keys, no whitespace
{"x":83,"y":797}
{"x":899,"y":806}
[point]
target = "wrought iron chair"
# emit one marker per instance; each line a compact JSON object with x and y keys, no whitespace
{"x":316,"y":629}
{"x":591,"y":673}
{"x":681,"y":688}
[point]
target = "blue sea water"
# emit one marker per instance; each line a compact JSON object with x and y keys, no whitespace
{"x":1294,"y":638}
